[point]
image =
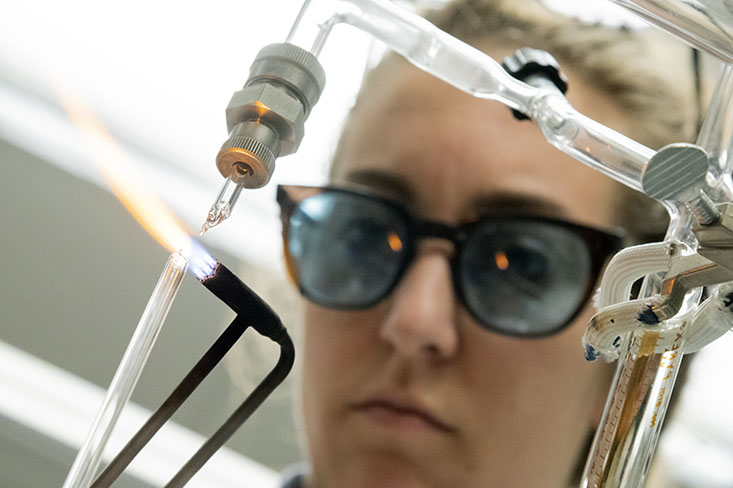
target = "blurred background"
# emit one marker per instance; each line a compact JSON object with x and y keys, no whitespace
{"x":77,"y":269}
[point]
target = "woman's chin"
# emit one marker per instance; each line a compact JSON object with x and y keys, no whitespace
{"x":375,"y":471}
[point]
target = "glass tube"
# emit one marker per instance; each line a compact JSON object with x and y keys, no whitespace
{"x":589,"y":142}
{"x":627,"y":436}
{"x":87,"y":460}
{"x":620,"y":455}
{"x":416,"y":39}
{"x":626,"y":439}
{"x":716,"y":136}
{"x":476,"y":73}
{"x":706,"y":24}
{"x":222,"y":207}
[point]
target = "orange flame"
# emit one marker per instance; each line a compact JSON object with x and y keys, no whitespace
{"x":114,"y":165}
{"x":502,"y":261}
{"x":394,"y":242}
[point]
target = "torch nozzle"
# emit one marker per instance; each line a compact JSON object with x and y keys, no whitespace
{"x":265,"y":120}
{"x":221,"y":209}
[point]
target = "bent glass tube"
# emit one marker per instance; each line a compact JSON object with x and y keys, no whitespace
{"x":476,"y":73}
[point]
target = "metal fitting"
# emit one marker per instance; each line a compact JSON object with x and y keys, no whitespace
{"x":716,"y":239}
{"x":271,"y":105}
{"x":266,"y":118}
{"x":293,"y":66}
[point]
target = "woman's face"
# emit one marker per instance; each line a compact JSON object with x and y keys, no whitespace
{"x":412,"y":392}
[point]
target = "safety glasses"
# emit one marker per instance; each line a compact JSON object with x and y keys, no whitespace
{"x":518,"y":275}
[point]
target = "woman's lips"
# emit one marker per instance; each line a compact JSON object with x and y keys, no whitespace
{"x":401,"y":414}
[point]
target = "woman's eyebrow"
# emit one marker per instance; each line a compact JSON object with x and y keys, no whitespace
{"x":501,"y":202}
{"x":387,"y":183}
{"x":518,"y":203}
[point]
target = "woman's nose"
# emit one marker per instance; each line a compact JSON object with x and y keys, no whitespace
{"x":421,"y":315}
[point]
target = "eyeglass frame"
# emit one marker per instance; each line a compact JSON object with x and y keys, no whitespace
{"x":612,"y":240}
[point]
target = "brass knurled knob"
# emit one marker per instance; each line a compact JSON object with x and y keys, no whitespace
{"x":248,"y":162}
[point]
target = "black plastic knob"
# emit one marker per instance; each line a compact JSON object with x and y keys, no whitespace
{"x":537,"y":68}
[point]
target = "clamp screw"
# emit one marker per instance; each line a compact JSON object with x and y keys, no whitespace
{"x":704,"y":209}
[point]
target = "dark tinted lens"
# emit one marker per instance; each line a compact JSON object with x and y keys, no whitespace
{"x":524,"y":277}
{"x":349,"y":248}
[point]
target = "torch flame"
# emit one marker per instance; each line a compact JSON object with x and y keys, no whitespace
{"x":114,"y":165}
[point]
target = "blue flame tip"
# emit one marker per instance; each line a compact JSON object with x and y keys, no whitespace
{"x":202,"y":264}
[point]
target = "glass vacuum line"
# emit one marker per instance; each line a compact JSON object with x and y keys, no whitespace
{"x":471,"y":71}
{"x":645,"y":377}
{"x":87,"y":460}
{"x":476,"y":73}
{"x":617,"y":156}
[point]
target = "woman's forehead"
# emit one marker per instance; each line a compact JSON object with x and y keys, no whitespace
{"x":450,"y":150}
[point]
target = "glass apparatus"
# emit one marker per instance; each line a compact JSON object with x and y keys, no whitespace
{"x":649,"y":356}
